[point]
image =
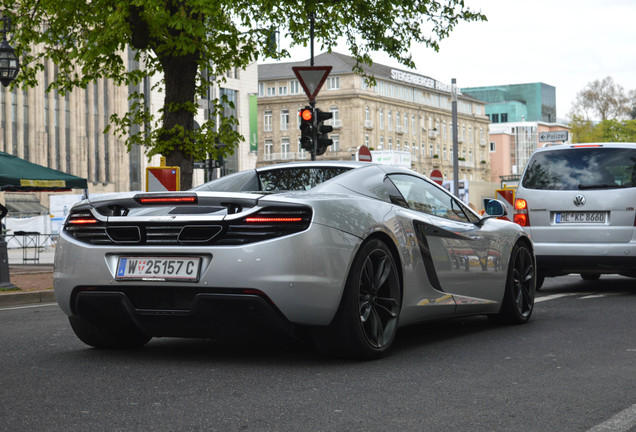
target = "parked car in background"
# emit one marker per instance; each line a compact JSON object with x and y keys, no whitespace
{"x":578,"y":204}
{"x":345,"y":252}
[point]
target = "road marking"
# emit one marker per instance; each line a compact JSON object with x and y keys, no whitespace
{"x":27,"y":307}
{"x":607,"y":294}
{"x":621,"y":422}
{"x":553,"y":297}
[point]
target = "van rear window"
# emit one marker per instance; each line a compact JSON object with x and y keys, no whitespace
{"x":581,"y":168}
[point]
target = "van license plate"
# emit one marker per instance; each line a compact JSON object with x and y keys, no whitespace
{"x":580,"y":217}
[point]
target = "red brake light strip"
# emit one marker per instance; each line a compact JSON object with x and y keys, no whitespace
{"x":272,"y":219}
{"x":168,"y":200}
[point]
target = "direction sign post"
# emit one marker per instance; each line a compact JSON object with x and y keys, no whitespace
{"x":561,"y":135}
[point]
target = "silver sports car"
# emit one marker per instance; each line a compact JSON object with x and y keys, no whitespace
{"x":344,"y":252}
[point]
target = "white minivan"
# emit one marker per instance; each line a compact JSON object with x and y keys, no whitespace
{"x":578,"y":205}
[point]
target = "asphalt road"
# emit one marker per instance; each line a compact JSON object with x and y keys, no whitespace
{"x":572,"y":368}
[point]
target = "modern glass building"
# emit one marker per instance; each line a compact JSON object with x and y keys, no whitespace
{"x":531,"y":102}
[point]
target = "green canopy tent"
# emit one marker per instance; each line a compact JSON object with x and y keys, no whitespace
{"x":19,"y":175}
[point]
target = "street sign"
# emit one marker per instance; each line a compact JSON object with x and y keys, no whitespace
{"x":311,"y":78}
{"x":364,"y":154}
{"x":561,"y":135}
{"x":437,"y":177}
{"x":161,"y":179}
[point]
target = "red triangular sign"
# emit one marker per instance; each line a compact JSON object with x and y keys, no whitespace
{"x":311,"y":78}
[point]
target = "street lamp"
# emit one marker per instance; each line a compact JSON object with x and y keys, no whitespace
{"x":9,"y":64}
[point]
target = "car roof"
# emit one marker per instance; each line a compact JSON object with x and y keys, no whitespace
{"x":553,"y":147}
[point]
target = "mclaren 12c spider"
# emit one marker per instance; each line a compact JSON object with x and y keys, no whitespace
{"x":341,"y":252}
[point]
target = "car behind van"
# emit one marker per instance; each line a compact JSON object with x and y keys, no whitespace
{"x":578,"y":204}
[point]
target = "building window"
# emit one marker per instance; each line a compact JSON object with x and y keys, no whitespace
{"x":333,"y":83}
{"x":495,"y":118}
{"x":504,"y":118}
{"x":294,"y":87}
{"x":284,"y":148}
{"x":367,"y":114}
{"x":335,"y":120}
{"x":398,"y":147}
{"x":390,"y":144}
{"x":406,"y":123}
{"x":261,"y":89}
{"x":284,"y":119}
{"x":390,"y":120}
{"x":492,"y":147}
{"x":335,"y":147}
{"x":381,"y":145}
{"x":430,"y":150}
{"x":413,"y":124}
{"x":282,"y":90}
{"x":269,"y":145}
{"x":267,"y":121}
{"x":381,"y":115}
{"x":271,"y":91}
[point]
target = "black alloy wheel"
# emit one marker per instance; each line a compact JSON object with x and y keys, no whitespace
{"x":378,"y":298}
{"x":518,"y":301}
{"x":366,"y":322}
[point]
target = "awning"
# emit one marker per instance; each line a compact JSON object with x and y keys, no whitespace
{"x":19,"y":175}
{"x":24,"y":207}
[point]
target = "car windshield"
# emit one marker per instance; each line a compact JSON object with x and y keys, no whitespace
{"x":289,"y":179}
{"x":576,"y":169}
{"x":273,"y":180}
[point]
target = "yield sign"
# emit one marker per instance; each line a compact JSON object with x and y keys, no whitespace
{"x":311,"y":78}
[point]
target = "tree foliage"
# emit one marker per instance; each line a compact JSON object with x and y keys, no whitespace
{"x":585,"y":131}
{"x":191,"y":43}
{"x":602,"y":100}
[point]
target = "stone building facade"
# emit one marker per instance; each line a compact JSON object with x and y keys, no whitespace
{"x":404,"y":117}
{"x":66,"y":132}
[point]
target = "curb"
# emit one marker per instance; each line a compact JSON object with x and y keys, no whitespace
{"x":26,"y":298}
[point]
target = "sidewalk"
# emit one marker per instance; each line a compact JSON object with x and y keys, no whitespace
{"x":33,"y":277}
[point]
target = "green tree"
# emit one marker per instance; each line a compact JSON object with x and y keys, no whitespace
{"x":601,"y":100}
{"x":189,"y":43}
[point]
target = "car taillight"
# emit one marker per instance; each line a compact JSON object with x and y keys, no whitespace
{"x":272,"y":219}
{"x":521,"y":212}
{"x":147,"y":199}
{"x":84,"y":218}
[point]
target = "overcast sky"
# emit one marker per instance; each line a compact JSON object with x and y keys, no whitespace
{"x":563,"y":43}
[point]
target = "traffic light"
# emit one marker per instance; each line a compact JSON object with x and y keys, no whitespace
{"x":323,"y":140}
{"x":307,"y":129}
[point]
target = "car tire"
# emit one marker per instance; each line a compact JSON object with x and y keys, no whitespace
{"x":518,"y":301}
{"x":366,"y":322}
{"x":590,"y":276}
{"x":106,"y":337}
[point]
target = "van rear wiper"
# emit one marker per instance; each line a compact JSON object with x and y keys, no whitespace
{"x":600,"y":186}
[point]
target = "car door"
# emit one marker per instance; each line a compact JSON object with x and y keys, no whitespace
{"x":456,"y":248}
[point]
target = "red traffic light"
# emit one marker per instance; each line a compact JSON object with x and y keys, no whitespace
{"x":306,"y":114}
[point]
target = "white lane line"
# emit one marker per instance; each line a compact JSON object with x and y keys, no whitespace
{"x":554,"y":296}
{"x":624,"y":421}
{"x":28,"y":307}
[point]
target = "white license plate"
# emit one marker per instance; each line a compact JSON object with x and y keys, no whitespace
{"x":168,"y":268}
{"x":580,"y":217}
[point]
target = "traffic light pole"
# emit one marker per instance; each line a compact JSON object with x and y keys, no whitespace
{"x":312,"y":103}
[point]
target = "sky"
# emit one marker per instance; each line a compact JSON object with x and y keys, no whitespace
{"x":563,"y":43}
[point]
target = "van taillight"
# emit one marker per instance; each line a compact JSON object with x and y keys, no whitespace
{"x":521,"y":212}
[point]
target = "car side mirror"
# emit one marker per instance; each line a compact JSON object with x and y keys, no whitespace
{"x":496,"y":208}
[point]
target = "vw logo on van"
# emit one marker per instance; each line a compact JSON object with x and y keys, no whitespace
{"x":579,"y":200}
